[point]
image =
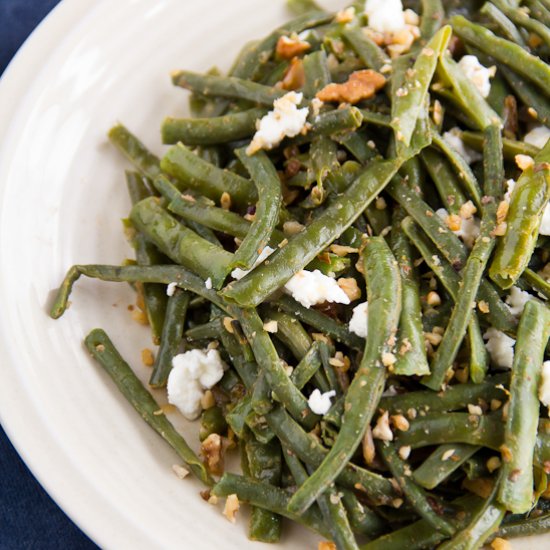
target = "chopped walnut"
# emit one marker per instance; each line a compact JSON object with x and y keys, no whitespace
{"x":350,"y":287}
{"x":369,"y":451}
{"x":360,"y":85}
{"x":506,"y":453}
{"x":225,"y":200}
{"x":292,"y":228}
{"x":231,"y":508}
{"x":228,"y":324}
{"x":447,"y":454}
{"x":271,"y":326}
{"x":524,"y":161}
{"x":289,"y":47}
{"x":147,"y":357}
{"x":294,"y":77}
{"x":467,"y":210}
{"x":382,"y":429}
{"x":140,"y":317}
{"x":500,"y":544}
{"x":499,"y":230}
{"x":326,"y":545}
{"x":180,"y":471}
{"x":483,"y":306}
{"x":388,"y":359}
{"x":345,"y":16}
{"x":404,"y":452}
{"x":212,"y":451}
{"x":433,"y":298}
{"x":502,"y":211}
{"x":207,"y":400}
{"x":343,"y":251}
{"x":482,"y":487}
{"x":453,"y":222}
{"x":493,"y":464}
{"x":474,"y":409}
{"x":400,"y":422}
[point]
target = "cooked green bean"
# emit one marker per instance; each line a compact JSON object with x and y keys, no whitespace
{"x":316,"y":73}
{"x":507,"y":27}
{"x":209,"y":131}
{"x":171,"y":337}
{"x":510,"y":147}
{"x":522,"y":19}
{"x":433,"y":14}
{"x":102,"y":349}
{"x":384,"y":291}
{"x":367,"y":50}
{"x":537,"y":282}
{"x":206,"y":178}
{"x":520,"y":433}
{"x":268,"y":187}
{"x":180,"y":243}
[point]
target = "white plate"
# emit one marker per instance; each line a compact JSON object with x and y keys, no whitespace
{"x":62,"y":194}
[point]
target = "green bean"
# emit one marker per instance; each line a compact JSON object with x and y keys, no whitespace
{"x":470,"y":100}
{"x":362,"y":520}
{"x":384,"y":291}
{"x":485,"y":521}
{"x":323,"y":153}
{"x":179,"y":243}
{"x":290,"y":332}
{"x":475,"y":265}
{"x":154,"y":295}
{"x":412,"y":360}
{"x":254,"y":59}
{"x":309,"y":450}
{"x":301,"y":7}
{"x":207,"y":331}
{"x":522,"y":19}
{"x":303,"y":247}
{"x":368,"y":52}
{"x":212,"y":422}
{"x":520,"y":434}
{"x":406,"y":106}
{"x":206,"y":178}
{"x":433,"y":13}
{"x":536,"y":282}
{"x":269,"y":362}
{"x":421,"y":534}
{"x":539,"y":10}
{"x":102,"y":349}
{"x":236,"y":417}
{"x":462,"y":168}
{"x":332,"y":123}
{"x":414,"y":494}
{"x":227,"y":86}
{"x":135,"y":151}
{"x":264,"y":462}
{"x":268,"y":187}
{"x":144,"y":274}
{"x":438,"y":467}
{"x":527,"y":203}
{"x":261,"y":395}
{"x":307,"y":367}
{"x":357,"y":144}
{"x":316,"y":72}
{"x":526,"y":527}
{"x":529,"y":95}
{"x":266,"y":496}
{"x":258,"y":426}
{"x":506,"y":27}
{"x":529,"y":66}
{"x":510,"y":147}
{"x":171,"y":337}
{"x":445,"y":180}
{"x":435,"y":429}
{"x":210,"y":131}
{"x":452,"y":398}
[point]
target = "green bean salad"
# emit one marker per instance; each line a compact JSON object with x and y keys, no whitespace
{"x":343,"y":258}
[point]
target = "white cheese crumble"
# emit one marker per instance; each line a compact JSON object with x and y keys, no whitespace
{"x":192,"y":373}
{"x":469,"y":227}
{"x":544,"y":228}
{"x":479,"y":75}
{"x":538,"y":136}
{"x":500,"y":347}
{"x":517,"y":299}
{"x":320,"y":403}
{"x":385,"y":15}
{"x":285,"y":120}
{"x":313,"y":287}
{"x":208,"y":283}
{"x":240,"y":273}
{"x":452,"y":138}
{"x":171,"y":288}
{"x":358,"y":324}
{"x":544,"y":385}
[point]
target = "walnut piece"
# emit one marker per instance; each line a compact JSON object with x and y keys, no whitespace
{"x":231,"y":507}
{"x":212,"y":451}
{"x":289,"y":47}
{"x":360,"y":85}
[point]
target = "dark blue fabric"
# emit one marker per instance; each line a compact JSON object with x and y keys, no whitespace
{"x":29,"y":518}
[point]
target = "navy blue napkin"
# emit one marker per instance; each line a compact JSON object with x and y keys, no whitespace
{"x":29,"y":518}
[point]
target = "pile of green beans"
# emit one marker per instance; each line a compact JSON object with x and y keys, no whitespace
{"x":422,"y":417}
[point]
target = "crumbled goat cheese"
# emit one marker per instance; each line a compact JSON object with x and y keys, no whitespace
{"x":192,"y":373}
{"x":538,"y":136}
{"x":544,"y":385}
{"x":240,"y":273}
{"x":500,"y":347}
{"x":452,"y":137}
{"x":469,"y":228}
{"x":517,"y":299}
{"x":312,"y":287}
{"x":358,"y":322}
{"x":171,"y":288}
{"x":285,"y":120}
{"x":208,"y":283}
{"x":478,"y":74}
{"x":544,"y":228}
{"x":385,"y":15}
{"x":319,"y":403}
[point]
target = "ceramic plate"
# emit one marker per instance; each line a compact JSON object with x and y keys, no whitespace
{"x":62,"y":195}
